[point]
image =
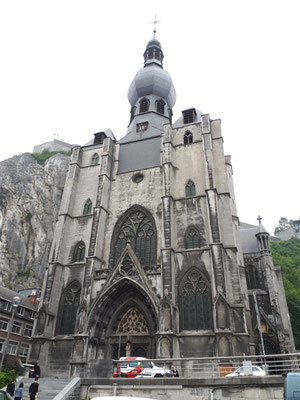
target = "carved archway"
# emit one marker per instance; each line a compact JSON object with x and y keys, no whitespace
{"x":124,"y":322}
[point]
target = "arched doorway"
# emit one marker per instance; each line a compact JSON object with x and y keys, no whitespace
{"x":125,"y":323}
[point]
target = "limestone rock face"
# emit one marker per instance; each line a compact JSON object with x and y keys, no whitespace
{"x":30,"y":196}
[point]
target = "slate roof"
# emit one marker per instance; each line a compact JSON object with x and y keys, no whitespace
{"x":248,"y":238}
{"x":8,"y":295}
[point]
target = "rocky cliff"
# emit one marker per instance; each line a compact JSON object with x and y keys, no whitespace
{"x":30,"y":196}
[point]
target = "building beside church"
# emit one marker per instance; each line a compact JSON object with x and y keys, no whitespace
{"x":147,"y":258}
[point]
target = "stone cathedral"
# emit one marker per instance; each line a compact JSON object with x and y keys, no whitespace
{"x":149,"y":257}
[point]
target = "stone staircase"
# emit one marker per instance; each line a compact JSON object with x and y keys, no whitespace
{"x":48,"y":387}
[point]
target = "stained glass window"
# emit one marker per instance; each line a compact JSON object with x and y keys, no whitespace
{"x":132,"y":321}
{"x":69,"y":306}
{"x":95,"y":159}
{"x":192,"y":239}
{"x":190,"y":190}
{"x":188,"y":137}
{"x":195,"y":303}
{"x":252,"y":277}
{"x":140,"y":231}
{"x":79,"y":252}
{"x":87,"y":209}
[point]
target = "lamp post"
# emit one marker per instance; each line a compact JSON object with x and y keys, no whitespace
{"x":15,"y":303}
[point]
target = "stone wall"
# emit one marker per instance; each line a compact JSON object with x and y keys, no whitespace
{"x":263,"y":388}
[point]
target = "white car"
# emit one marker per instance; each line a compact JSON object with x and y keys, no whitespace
{"x":138,"y":367}
{"x":256,"y":371}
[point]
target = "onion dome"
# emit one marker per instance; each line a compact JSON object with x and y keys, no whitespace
{"x":152,"y":79}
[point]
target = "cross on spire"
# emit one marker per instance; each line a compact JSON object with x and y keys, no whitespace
{"x":154,"y":23}
{"x":259,"y":218}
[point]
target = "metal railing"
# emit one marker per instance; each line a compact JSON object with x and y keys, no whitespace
{"x":212,"y":367}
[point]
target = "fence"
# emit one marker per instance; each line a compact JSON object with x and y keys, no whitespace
{"x":211,"y":367}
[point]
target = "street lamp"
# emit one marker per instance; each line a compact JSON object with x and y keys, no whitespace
{"x":15,"y":303}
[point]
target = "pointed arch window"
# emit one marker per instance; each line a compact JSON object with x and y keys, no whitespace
{"x":252,"y":277}
{"x":68,"y":310}
{"x":188,"y":137}
{"x":144,"y":105}
{"x":192,"y":240}
{"x":79,"y":252}
{"x":160,"y":106}
{"x":87,"y":208}
{"x":195,"y":303}
{"x":132,"y":321}
{"x":139,"y":229}
{"x":95,"y":159}
{"x":190,"y":189}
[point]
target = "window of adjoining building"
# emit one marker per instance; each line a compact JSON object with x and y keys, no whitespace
{"x":28,"y":330}
{"x":195,"y":303}
{"x":142,"y":127}
{"x":17,"y":328}
{"x":144,"y":105}
{"x":79,"y":252}
{"x":20,"y":311}
{"x":3,"y":324}
{"x":188,"y":137}
{"x":68,"y":309}
{"x":95,"y":159}
{"x":190,"y":189}
{"x":24,"y":350}
{"x":7,"y":306}
{"x":87,"y":208}
{"x":12,"y":348}
{"x":192,"y":239}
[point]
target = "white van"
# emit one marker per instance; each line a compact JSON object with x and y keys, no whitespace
{"x":138,"y":367}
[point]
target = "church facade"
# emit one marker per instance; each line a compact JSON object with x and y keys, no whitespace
{"x":147,"y":258}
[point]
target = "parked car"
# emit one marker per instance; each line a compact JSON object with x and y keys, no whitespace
{"x":138,"y":367}
{"x":34,"y":370}
{"x":292,"y":386}
{"x":256,"y":371}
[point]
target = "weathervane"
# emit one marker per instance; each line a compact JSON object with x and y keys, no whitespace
{"x":154,"y":23}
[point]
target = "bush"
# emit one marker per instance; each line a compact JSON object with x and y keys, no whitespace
{"x":42,"y":157}
{"x":6,"y":376}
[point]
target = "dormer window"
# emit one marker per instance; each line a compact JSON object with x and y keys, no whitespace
{"x":142,"y":127}
{"x":99,"y":137}
{"x":144,"y":105}
{"x":189,"y":116}
{"x":160,"y":106}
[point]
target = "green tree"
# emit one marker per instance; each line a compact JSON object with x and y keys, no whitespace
{"x":286,"y":254}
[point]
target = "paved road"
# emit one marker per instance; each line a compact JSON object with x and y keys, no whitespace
{"x":48,"y":387}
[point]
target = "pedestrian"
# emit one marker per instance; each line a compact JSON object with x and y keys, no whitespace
{"x":19,"y":392}
{"x":174,"y":371}
{"x":33,"y":390}
{"x":10,"y":388}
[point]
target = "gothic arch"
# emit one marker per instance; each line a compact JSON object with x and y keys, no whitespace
{"x":87,"y":208}
{"x":124,"y":313}
{"x":196,"y":312}
{"x":190,"y":189}
{"x":188,"y":137}
{"x":67,"y":312}
{"x":78,"y":253}
{"x":137,"y":226}
{"x":192,"y":238}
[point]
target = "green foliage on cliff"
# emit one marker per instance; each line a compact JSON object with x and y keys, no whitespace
{"x":286,"y":254}
{"x":42,"y":157}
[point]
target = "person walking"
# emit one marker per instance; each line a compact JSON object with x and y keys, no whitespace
{"x":10,"y":388}
{"x":33,"y":390}
{"x":19,"y":392}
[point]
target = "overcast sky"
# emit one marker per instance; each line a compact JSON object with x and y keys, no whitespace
{"x":66,"y":67}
